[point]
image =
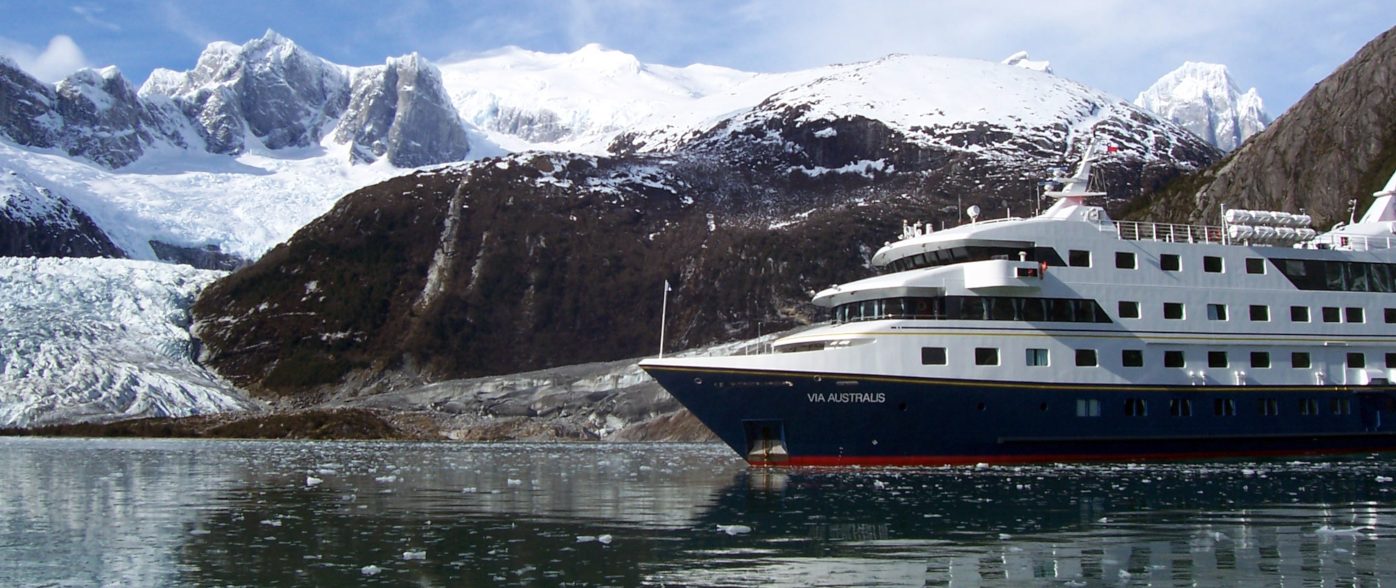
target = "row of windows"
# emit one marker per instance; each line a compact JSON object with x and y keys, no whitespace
{"x":986,"y":308}
{"x":976,"y":253}
{"x":1134,"y":358}
{"x":1259,"y":312}
{"x":1182,"y":407}
{"x":1305,"y":274}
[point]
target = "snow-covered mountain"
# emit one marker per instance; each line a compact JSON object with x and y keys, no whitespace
{"x":1204,"y":99}
{"x":99,"y":339}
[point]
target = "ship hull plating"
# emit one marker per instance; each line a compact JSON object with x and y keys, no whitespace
{"x":795,"y":419}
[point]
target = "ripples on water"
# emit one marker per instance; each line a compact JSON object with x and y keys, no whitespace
{"x":79,"y":512}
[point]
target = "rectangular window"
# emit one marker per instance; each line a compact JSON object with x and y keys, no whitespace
{"x":1173,"y":310}
{"x":1216,"y":312}
{"x":1136,"y":407}
{"x":1255,"y":265}
{"x":1353,"y":314}
{"x":1169,"y":262}
{"x":1078,"y":258}
{"x":1129,"y":309}
{"x":932,"y":356}
{"x":1087,"y":407}
{"x":1124,"y":260}
{"x":1340,"y":406}
{"x":1260,"y":359}
{"x":1037,"y":357}
{"x":1260,"y":313}
{"x":1132,"y":358}
{"x":1357,"y":361}
{"x":1216,"y":359}
{"x":1331,"y":314}
{"x":1390,"y":315}
{"x":1180,"y":407}
{"x":1308,"y":406}
{"x":1299,"y":314}
{"x":986,"y":356}
{"x":1391,"y":360}
{"x":1086,"y":358}
{"x":1269,"y":407}
{"x":1173,"y":358}
{"x":1299,"y":359}
{"x":1224,"y":407}
{"x":1211,"y":264}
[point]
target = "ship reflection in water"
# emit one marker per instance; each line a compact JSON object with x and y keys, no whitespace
{"x":142,"y":512}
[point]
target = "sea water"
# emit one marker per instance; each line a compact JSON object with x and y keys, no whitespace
{"x":111,"y":512}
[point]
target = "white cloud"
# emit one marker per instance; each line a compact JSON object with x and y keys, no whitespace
{"x":55,"y":62}
{"x":91,"y":12}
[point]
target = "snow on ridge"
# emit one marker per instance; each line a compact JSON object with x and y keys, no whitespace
{"x":99,"y":339}
{"x":1204,"y":99}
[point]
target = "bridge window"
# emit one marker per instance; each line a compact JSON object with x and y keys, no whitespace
{"x":1260,"y":313}
{"x":1255,"y":265}
{"x":1086,"y":358}
{"x":1132,"y":358}
{"x":1211,"y":264}
{"x":1260,"y":359}
{"x":1078,"y":258}
{"x":1299,"y":314}
{"x":1173,"y":358}
{"x":1129,"y":309}
{"x":1341,"y":276}
{"x":986,"y":308}
{"x":932,"y":356}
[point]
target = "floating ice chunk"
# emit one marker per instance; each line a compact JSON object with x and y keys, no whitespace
{"x":1383,"y":479}
{"x":603,"y":539}
{"x":468,"y":490}
{"x":272,"y":522}
{"x":370,"y":570}
{"x":734,"y":529}
{"x":199,"y":531}
{"x":410,"y":555}
{"x":1349,"y":532}
{"x":585,"y":538}
{"x":312,"y":481}
{"x":386,"y":479}
{"x":879,"y":484}
{"x":513,"y":482}
{"x":981,"y":466}
{"x":1004,"y":536}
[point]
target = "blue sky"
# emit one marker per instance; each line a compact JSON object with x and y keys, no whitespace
{"x":1281,"y":47}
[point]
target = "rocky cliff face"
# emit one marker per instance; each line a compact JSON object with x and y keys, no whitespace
{"x":401,"y":111}
{"x":1337,"y":143}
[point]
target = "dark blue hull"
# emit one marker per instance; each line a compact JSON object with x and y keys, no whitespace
{"x":773,"y":418}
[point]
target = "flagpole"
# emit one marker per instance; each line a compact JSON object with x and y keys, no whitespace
{"x":663,"y":310}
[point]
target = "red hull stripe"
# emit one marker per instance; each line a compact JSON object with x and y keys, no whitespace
{"x":961,"y":460}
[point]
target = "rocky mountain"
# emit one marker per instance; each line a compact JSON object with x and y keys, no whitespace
{"x":35,"y":222}
{"x":1336,"y":143}
{"x":1204,"y":99}
{"x":538,"y":260}
{"x":400,"y":111}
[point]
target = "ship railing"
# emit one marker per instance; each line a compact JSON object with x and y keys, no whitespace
{"x":1354,"y":242}
{"x":1166,"y":232}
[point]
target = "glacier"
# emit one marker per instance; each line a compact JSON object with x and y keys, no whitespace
{"x":102,"y":339}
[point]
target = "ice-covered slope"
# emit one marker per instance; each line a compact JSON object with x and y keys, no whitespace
{"x":573,"y":101}
{"x":97,"y":339}
{"x":1203,"y":98}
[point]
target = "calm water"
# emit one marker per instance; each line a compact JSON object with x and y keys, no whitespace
{"x":77,"y":512}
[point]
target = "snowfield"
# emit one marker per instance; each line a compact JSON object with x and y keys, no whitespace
{"x":102,"y":339}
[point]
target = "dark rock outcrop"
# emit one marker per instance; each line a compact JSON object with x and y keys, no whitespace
{"x":1337,"y":143}
{"x":35,"y":222}
{"x":401,"y":111}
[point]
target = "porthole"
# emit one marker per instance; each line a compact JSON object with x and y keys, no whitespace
{"x":982,"y":407}
{"x":698,"y":381}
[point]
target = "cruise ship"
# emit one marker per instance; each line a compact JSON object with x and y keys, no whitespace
{"x":1069,"y":336}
